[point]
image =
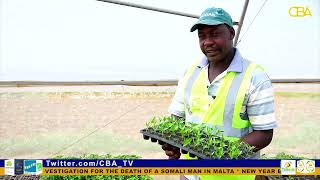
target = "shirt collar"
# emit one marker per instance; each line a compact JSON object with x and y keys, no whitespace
{"x":235,"y":65}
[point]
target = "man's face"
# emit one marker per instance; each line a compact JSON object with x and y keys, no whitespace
{"x":215,"y":41}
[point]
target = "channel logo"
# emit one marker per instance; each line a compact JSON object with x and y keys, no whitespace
{"x":299,"y":11}
{"x":13,"y":167}
{"x":32,"y":167}
{"x":9,"y":167}
{"x":288,"y":167}
{"x":306,"y":166}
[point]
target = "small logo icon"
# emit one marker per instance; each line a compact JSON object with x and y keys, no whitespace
{"x":306,"y":166}
{"x":288,"y":167}
{"x":299,"y":11}
{"x":18,"y":166}
{"x":33,"y":167}
{"x":9,"y":167}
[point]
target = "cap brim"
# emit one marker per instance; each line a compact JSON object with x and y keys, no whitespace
{"x":206,"y":22}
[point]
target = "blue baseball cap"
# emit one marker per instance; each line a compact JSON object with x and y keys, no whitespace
{"x":213,"y":16}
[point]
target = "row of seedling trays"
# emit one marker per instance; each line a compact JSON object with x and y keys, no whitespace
{"x":199,"y":140}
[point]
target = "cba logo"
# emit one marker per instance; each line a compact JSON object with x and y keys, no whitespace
{"x":288,"y":167}
{"x":306,"y":166}
{"x":299,"y":11}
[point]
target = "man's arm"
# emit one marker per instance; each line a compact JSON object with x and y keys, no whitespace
{"x":259,"y":139}
{"x":260,"y":109}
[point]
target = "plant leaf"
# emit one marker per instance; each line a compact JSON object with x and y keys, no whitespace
{"x":187,"y":141}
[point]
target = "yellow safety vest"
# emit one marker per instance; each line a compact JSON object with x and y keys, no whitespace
{"x":224,"y":112}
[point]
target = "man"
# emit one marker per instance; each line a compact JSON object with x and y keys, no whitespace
{"x":223,"y":89}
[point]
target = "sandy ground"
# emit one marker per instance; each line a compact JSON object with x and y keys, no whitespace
{"x":40,"y":122}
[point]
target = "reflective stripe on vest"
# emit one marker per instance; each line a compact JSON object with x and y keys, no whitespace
{"x":224,"y":111}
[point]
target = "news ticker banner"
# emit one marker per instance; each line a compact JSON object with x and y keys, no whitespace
{"x":158,"y":167}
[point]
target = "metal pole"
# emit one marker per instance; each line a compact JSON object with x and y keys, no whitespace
{"x":154,"y":9}
{"x":172,"y":82}
{"x":241,"y":22}
{"x":150,"y":8}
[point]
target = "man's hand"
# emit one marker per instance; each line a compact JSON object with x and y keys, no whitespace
{"x":258,"y":139}
{"x":172,"y":152}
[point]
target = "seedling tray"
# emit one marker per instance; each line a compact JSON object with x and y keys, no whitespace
{"x":184,"y":150}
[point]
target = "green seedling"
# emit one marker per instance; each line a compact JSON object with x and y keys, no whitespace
{"x":234,"y":149}
{"x":199,"y":137}
{"x":152,"y":124}
{"x":187,"y":142}
{"x":218,"y":152}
